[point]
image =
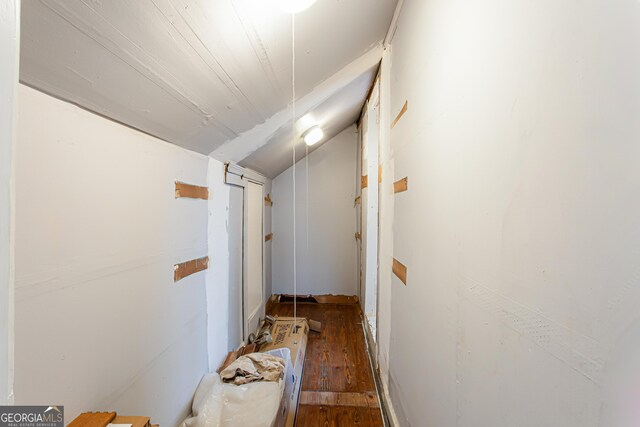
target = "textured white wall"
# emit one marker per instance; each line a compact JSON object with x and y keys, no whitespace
{"x":9,"y":42}
{"x":218,"y":311}
{"x":327,"y":265}
{"x":100,"y":324}
{"x":520,"y":227}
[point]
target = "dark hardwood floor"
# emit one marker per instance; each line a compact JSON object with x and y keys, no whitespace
{"x":338,"y":387}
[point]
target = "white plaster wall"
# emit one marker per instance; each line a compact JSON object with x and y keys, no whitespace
{"x":218,"y":271}
{"x":327,"y":264}
{"x":9,"y":46}
{"x":100,"y":324}
{"x":520,"y":227}
{"x":385,"y":257}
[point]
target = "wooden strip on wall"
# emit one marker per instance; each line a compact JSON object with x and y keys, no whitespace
{"x":364,"y":181}
{"x":332,"y":398}
{"x":268,"y":237}
{"x":401,"y":185}
{"x":191,"y":191}
{"x":400,"y":270}
{"x":268,"y":201}
{"x":400,"y":114}
{"x":184,"y":269}
{"x":379,"y":174}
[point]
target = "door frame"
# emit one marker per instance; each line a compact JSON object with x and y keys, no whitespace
{"x":241,"y":177}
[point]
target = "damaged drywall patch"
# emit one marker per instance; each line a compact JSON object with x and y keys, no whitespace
{"x":191,"y":191}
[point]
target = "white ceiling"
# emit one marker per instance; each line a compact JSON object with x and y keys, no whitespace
{"x":338,"y":112}
{"x":213,"y":76}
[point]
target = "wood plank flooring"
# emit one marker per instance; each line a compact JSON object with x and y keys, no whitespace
{"x":338,"y":387}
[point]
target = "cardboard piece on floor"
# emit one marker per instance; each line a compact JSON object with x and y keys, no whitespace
{"x":231,"y":357}
{"x":133,"y":420}
{"x":291,"y":333}
{"x":93,"y":419}
{"x":315,"y":326}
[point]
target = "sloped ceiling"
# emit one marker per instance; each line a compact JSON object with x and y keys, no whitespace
{"x":213,"y":76}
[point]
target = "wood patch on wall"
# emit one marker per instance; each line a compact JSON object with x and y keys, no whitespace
{"x":401,"y":185}
{"x":400,"y":114}
{"x":400,"y":270}
{"x":268,"y":201}
{"x":364,"y":181}
{"x":191,"y":191}
{"x":268,"y":237}
{"x":379,"y":174}
{"x":184,"y":269}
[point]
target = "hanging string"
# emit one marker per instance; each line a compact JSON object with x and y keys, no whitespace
{"x":294,"y":141}
{"x":306,"y":168}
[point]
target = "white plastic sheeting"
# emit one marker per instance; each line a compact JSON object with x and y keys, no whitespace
{"x":257,"y":404}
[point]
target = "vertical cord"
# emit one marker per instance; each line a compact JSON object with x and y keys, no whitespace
{"x":306,"y":168}
{"x":293,"y":136}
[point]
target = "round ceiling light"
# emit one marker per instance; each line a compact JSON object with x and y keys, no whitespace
{"x":294,"y":6}
{"x":313,"y":135}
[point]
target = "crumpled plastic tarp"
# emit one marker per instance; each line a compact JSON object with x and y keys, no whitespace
{"x":254,"y":367}
{"x":256,"y":404}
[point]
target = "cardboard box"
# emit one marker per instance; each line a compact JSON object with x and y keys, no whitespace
{"x":291,"y":334}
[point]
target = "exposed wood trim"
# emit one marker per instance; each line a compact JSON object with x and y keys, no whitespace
{"x":268,"y":201}
{"x":379,"y":174}
{"x":334,"y":398}
{"x":364,"y":181}
{"x":400,"y":270}
{"x":401,"y":185}
{"x":184,"y":269}
{"x":191,"y":191}
{"x":237,"y":175}
{"x":394,"y":25}
{"x":400,"y":114}
{"x":268,"y":237}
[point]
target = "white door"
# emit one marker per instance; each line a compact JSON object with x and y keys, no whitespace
{"x":253,"y":259}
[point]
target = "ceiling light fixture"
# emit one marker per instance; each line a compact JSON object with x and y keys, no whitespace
{"x":313,"y":135}
{"x":294,"y":6}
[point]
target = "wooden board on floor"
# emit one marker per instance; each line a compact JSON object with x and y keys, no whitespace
{"x":337,"y":371}
{"x":313,"y":416}
{"x":332,"y":398}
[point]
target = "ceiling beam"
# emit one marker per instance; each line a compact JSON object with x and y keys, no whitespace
{"x":246,"y":143}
